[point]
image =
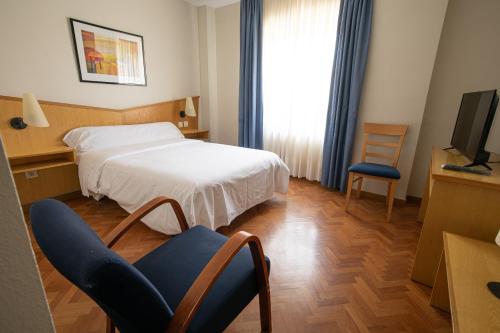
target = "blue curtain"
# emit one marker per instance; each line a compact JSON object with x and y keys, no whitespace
{"x":250,"y":132}
{"x":351,"y":51}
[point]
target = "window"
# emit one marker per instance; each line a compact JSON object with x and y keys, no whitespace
{"x":298,"y":49}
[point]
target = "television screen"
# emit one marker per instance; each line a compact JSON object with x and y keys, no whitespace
{"x":473,"y":124}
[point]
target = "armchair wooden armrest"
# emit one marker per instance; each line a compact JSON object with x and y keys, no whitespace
{"x":136,"y":216}
{"x":193,"y":299}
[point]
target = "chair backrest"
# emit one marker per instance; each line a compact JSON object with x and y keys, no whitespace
{"x":385,"y":130}
{"x":123,"y":292}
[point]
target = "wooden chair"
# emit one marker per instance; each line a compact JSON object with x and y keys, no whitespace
{"x":198,"y":281}
{"x":388,"y":173}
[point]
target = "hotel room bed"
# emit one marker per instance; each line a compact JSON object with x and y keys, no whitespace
{"x":214,"y":183}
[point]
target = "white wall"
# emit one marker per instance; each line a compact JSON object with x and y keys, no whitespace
{"x":37,"y":52}
{"x":208,"y":71}
{"x":227,"y":21}
{"x":468,"y":59}
{"x":403,"y":46}
{"x":22,"y":299}
{"x":219,"y":49}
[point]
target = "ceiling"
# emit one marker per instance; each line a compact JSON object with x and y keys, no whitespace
{"x":212,"y":3}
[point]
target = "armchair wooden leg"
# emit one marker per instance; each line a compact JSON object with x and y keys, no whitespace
{"x":265,"y":309}
{"x":360,"y":186}
{"x":390,"y":199}
{"x":349,"y":189}
{"x":110,"y":327}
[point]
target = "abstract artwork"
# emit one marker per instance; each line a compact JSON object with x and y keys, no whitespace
{"x":107,"y":55}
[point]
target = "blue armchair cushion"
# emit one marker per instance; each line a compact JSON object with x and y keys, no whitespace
{"x":173,"y":267}
{"x":374,"y":169}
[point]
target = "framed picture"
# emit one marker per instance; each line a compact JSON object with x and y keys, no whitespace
{"x":107,"y":55}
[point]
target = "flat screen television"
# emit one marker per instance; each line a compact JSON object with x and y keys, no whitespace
{"x":474,"y":120}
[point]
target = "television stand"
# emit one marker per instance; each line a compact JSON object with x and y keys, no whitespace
{"x":449,"y":202}
{"x":480,"y":160}
{"x":478,"y":164}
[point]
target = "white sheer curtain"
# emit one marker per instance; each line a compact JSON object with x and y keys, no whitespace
{"x":298,"y":48}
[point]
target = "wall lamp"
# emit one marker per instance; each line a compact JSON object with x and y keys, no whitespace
{"x":189,"y":109}
{"x":32,"y":114}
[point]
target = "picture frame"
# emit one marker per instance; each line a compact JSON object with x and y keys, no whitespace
{"x":106,"y":55}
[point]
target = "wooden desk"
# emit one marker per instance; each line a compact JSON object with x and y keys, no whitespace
{"x":457,"y":202}
{"x":45,"y":173}
{"x":195,"y":134}
{"x":470,"y":264}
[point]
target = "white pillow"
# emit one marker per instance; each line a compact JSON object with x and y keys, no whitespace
{"x":84,"y":139}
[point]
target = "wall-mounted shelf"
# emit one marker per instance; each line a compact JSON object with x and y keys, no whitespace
{"x":195,"y":134}
{"x":45,"y":173}
{"x":39,"y":166}
{"x":45,"y":159}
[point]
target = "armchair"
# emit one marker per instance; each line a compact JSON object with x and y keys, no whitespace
{"x":198,"y":281}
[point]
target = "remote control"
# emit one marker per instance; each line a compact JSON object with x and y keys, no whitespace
{"x":454,"y":167}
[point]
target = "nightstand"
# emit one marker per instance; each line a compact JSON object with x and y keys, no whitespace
{"x":195,"y":134}
{"x":48,"y":172}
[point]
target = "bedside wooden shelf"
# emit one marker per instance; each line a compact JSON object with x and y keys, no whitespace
{"x":56,"y":173}
{"x":44,"y":159}
{"x":39,"y":166}
{"x":195,"y":134}
{"x":42,"y":152}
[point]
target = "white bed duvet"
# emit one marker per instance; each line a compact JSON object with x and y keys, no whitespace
{"x":213,"y":183}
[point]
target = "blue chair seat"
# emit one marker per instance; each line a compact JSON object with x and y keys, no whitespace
{"x":174,"y":266}
{"x":374,"y":169}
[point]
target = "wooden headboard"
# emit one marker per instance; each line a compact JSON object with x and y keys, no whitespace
{"x":64,"y":117}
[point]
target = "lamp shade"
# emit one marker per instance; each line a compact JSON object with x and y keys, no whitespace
{"x":32,"y":112}
{"x":190,"y":110}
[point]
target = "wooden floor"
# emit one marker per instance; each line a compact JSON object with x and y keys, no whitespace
{"x":330,"y":271}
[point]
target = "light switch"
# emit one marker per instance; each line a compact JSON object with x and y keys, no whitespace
{"x":180,"y":124}
{"x":186,"y":123}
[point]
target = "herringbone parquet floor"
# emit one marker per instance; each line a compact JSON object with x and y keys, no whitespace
{"x":331,"y":271}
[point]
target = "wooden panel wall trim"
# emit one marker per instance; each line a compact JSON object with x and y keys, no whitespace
{"x":64,"y":117}
{"x":19,"y":99}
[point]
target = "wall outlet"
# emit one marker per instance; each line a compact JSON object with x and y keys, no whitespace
{"x":31,"y":174}
{"x":180,"y":124}
{"x":186,"y":123}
